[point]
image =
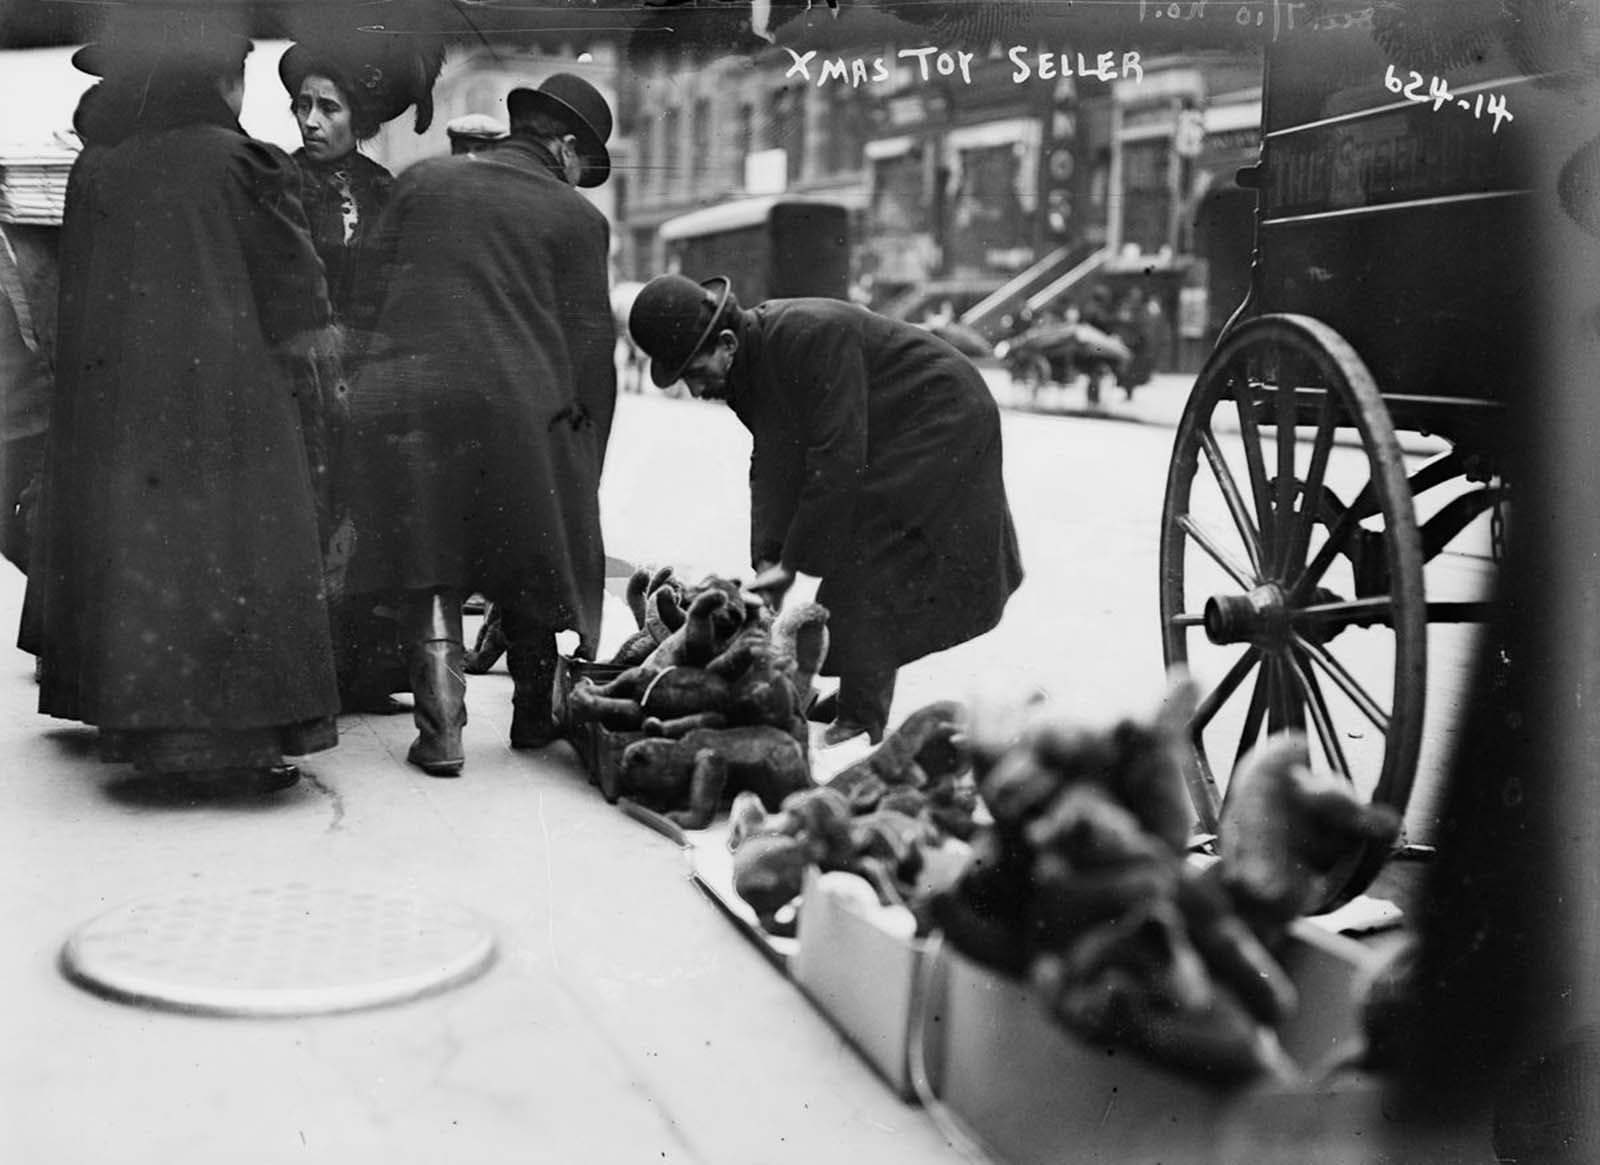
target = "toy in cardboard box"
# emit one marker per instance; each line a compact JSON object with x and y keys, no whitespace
{"x":1082,"y":886}
{"x":887,"y":818}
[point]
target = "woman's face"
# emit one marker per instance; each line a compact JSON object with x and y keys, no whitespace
{"x":324,"y":118}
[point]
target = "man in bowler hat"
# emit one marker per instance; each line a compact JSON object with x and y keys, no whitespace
{"x":875,"y":466}
{"x":482,"y":414}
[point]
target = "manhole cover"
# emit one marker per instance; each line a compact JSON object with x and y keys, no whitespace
{"x":296,"y":949}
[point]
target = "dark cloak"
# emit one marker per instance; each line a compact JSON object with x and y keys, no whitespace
{"x":177,"y":582}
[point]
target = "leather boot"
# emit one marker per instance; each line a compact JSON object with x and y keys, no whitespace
{"x":531,"y":660}
{"x":435,"y":657}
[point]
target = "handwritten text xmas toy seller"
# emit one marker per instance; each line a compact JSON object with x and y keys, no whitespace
{"x":932,"y":61}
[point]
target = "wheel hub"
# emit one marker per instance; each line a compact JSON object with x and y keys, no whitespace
{"x":1261,"y":616}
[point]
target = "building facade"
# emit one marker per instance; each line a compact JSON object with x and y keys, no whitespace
{"x":967,"y":181}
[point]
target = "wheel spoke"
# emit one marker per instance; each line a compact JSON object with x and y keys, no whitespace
{"x":1338,"y":534}
{"x":1255,"y":462}
{"x":1321,"y":720}
{"x":1306,"y":519}
{"x":1347,"y":683}
{"x":1208,"y":542}
{"x":1284,"y":712}
{"x":1257,"y":711}
{"x":1235,"y":500}
{"x":1283,"y":505}
{"x":1207,"y":709}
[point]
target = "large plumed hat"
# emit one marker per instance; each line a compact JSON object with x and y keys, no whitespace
{"x":672,"y":318}
{"x":380,"y":75}
{"x":138,"y":38}
{"x":580,"y":107}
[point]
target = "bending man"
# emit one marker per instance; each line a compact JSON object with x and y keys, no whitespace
{"x":876,"y":466}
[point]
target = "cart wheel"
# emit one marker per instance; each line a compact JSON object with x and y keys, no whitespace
{"x":1291,"y":571}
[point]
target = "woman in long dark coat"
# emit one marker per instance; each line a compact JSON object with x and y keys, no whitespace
{"x":875,"y":466}
{"x":341,"y":93}
{"x":176,"y":599}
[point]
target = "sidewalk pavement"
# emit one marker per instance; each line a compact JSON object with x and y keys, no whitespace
{"x":624,"y":1019}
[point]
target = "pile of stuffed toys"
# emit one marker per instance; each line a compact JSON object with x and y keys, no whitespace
{"x":1046,"y":849}
{"x":1083,"y":885}
{"x":712,"y":706}
{"x":714,"y":691}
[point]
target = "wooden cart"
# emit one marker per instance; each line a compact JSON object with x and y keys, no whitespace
{"x":1389,"y":295}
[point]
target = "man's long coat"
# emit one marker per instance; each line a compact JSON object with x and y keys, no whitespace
{"x":876,"y":465}
{"x":481,"y":418}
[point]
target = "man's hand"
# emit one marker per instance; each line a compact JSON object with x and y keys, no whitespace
{"x":772,"y":583}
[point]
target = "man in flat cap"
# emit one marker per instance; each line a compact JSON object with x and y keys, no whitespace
{"x":472,"y":132}
{"x":875,"y":466}
{"x":482,"y":415}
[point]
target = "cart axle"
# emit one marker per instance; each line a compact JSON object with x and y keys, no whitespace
{"x":1260,"y":616}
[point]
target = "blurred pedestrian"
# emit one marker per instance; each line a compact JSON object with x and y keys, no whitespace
{"x":875,"y":466}
{"x":473,"y":132}
{"x":176,"y":600}
{"x":482,"y":415}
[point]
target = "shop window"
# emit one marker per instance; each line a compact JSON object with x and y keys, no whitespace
{"x":988,"y":226}
{"x":899,"y":203}
{"x":644,"y":133}
{"x":845,"y":130}
{"x":787,"y":127}
{"x":1146,"y":194}
{"x":700,"y":134}
{"x":673,"y":170}
{"x":743,"y":142}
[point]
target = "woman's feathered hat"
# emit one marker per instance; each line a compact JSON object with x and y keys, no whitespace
{"x":381,"y":73}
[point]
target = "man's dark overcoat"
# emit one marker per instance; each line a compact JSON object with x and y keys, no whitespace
{"x":481,"y":419}
{"x":177,"y":585}
{"x":876,"y":465}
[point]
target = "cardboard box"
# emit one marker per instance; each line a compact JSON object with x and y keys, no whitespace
{"x":1029,"y":1091}
{"x":865,"y":979}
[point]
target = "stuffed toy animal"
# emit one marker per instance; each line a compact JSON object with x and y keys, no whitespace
{"x":698,"y":769}
{"x":931,"y":734}
{"x":655,"y":597}
{"x":769,"y":870}
{"x":885,"y":839}
{"x":1081,"y":885}
{"x":772,"y":852}
{"x":717,"y":610}
{"x":761,"y":676}
{"x":1283,"y":826}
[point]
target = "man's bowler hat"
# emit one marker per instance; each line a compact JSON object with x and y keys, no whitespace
{"x":672,"y":318}
{"x":580,"y":107}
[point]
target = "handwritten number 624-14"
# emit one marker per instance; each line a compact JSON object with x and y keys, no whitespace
{"x":1439,"y":94}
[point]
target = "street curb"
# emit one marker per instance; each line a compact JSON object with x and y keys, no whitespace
{"x":1414,"y":444}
